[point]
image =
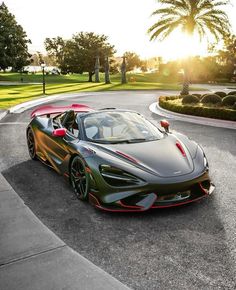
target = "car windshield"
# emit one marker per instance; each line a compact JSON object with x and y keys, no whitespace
{"x":119,"y":127}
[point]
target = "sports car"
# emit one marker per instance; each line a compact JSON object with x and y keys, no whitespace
{"x":117,"y":159}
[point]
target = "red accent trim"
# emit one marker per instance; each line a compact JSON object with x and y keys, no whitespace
{"x":45,"y":110}
{"x":128,"y":206}
{"x":181,"y":149}
{"x":202,"y":188}
{"x":118,"y":210}
{"x":97,"y":203}
{"x":127,"y":157}
{"x":183,"y":202}
{"x":138,"y":209}
{"x":177,"y":204}
{"x":66,"y":174}
{"x":99,"y":206}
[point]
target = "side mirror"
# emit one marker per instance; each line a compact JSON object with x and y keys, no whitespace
{"x":165,"y":124}
{"x":61,"y":132}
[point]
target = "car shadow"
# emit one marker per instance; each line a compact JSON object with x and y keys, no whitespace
{"x":177,"y":248}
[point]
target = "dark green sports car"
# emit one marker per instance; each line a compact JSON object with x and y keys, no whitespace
{"x":117,"y":159}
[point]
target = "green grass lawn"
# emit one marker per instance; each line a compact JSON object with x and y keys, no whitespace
{"x":78,"y":78}
{"x":31,"y":87}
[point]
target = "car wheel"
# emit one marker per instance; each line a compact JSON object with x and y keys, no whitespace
{"x":79,"y":178}
{"x":31,"y":145}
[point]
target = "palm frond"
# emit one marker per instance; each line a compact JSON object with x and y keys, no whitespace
{"x":215,"y":29}
{"x":218,"y":13}
{"x":170,"y":29}
{"x":158,"y":33}
{"x":178,"y":4}
{"x":201,"y":31}
{"x":167,"y":11}
{"x":191,"y":15}
{"x":220,"y":3}
{"x":163,"y":31}
{"x":203,"y":5}
{"x":166,"y":21}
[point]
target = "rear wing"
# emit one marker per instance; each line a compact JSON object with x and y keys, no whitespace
{"x":48,"y":110}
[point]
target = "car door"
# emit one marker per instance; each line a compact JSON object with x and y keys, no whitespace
{"x":59,"y":148}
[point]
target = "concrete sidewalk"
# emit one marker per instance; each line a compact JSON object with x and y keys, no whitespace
{"x":34,"y":258}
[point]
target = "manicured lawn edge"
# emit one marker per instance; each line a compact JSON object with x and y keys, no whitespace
{"x":166,"y":102}
{"x":11,"y":95}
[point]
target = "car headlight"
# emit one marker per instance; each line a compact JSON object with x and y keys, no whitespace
{"x":118,"y":177}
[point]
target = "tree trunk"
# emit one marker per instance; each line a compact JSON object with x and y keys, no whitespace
{"x":90,"y":77}
{"x":123,"y":72}
{"x":185,"y":89}
{"x":97,"y":66}
{"x":107,"y":72}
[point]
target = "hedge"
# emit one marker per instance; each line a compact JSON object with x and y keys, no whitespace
{"x":216,"y":113}
{"x":232,"y":93}
{"x":211,"y":99}
{"x":229,"y":100}
{"x":220,"y":94}
{"x":189,"y":99}
{"x":199,"y":96}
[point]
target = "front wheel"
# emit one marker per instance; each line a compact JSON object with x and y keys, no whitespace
{"x":79,"y":178}
{"x":31,"y":144}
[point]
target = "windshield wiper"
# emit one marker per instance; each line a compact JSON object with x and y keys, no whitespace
{"x":127,"y":141}
{"x":136,"y":140}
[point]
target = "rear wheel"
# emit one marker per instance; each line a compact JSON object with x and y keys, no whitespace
{"x":31,"y":144}
{"x":79,"y":178}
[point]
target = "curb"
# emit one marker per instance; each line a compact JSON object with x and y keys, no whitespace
{"x":42,"y":100}
{"x":156,"y":109}
{"x":33,"y":257}
{"x":39,"y":101}
{"x":3,"y":114}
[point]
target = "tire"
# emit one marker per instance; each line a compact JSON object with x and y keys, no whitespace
{"x":79,"y":178}
{"x":31,"y":144}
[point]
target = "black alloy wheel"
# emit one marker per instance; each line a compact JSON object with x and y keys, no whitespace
{"x":79,"y":178}
{"x":31,"y":145}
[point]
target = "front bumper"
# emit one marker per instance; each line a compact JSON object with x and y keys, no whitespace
{"x":147,"y":200}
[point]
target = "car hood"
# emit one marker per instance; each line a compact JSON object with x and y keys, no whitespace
{"x":162,"y":157}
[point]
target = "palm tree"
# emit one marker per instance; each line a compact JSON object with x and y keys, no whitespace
{"x":204,"y":17}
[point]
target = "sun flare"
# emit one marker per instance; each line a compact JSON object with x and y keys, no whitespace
{"x":180,"y":45}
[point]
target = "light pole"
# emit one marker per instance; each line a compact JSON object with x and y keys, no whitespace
{"x":43,"y":70}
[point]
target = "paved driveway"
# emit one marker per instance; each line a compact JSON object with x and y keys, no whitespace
{"x":190,"y":247}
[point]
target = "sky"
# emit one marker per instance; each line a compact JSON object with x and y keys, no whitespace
{"x":125,"y":22}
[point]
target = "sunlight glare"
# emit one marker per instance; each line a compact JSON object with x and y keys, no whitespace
{"x":180,"y":45}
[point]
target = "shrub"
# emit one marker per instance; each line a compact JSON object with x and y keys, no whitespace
{"x":170,"y":98}
{"x":190,"y":99}
{"x":232,"y":93}
{"x":221,"y":94}
{"x":234,"y":106}
{"x":199,"y":96}
{"x":217,"y":113}
{"x":211,"y":99}
{"x":229,"y":100}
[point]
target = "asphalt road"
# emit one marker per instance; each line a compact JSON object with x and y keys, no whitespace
{"x":190,"y":247}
